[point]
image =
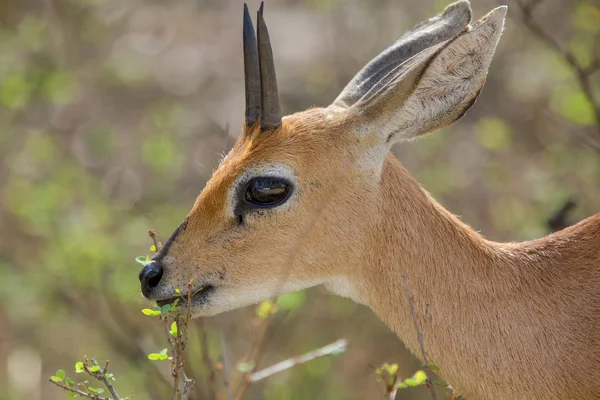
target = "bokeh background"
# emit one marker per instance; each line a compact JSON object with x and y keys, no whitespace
{"x":113,"y":114}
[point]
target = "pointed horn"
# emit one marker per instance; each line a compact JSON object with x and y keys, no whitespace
{"x":251,"y":70}
{"x":271,"y":115}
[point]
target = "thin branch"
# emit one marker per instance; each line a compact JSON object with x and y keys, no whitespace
{"x":582,"y":74}
{"x":79,"y":392}
{"x":255,"y":350}
{"x":293,"y":361}
{"x":420,"y":331}
{"x":152,"y":234}
{"x":560,"y":219}
{"x":101,"y":375}
{"x":207,"y":361}
{"x":178,"y":344}
{"x":226,"y":368}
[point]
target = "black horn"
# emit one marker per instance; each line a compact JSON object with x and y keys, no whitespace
{"x":269,"y":96}
{"x":251,"y":70}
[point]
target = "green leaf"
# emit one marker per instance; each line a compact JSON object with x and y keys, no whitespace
{"x":391,"y":368}
{"x":432,"y":367}
{"x":401,"y":385}
{"x":56,"y":379}
{"x":61,"y":374}
{"x":79,"y":367}
{"x":417,"y":379}
{"x":163,"y":357}
{"x":291,"y":301}
{"x":153,"y":356}
{"x":174,"y":329}
{"x":442,"y":384}
{"x":60,"y":88}
{"x":110,"y":376}
{"x":142,"y":259}
{"x":15,"y":91}
{"x":69,"y":382}
{"x":95,"y":368}
{"x":572,"y":105}
{"x":163,"y":351}
{"x":177,"y":291}
{"x":245,"y":367}
{"x":71,"y":393}
{"x":165,"y":309}
{"x":153,"y":248}
{"x":493,"y":134}
{"x":152,"y":313}
{"x":265,"y":309}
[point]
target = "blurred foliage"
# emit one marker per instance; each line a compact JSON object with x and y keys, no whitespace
{"x":114,"y":112}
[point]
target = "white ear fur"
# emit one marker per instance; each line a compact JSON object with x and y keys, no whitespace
{"x":434,"y":88}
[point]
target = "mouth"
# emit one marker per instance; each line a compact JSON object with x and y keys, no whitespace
{"x":198,"y":296}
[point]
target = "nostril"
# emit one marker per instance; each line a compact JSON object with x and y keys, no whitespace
{"x":150,"y":277}
{"x":154,"y":280}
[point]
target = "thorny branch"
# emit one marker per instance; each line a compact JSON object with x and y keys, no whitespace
{"x":420,"y":332}
{"x":582,"y":74}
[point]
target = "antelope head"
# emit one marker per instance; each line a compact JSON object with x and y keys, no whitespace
{"x":296,"y":202}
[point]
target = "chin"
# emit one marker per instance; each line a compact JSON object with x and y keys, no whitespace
{"x":217,"y":301}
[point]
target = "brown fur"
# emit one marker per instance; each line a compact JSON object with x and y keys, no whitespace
{"x":516,"y":321}
{"x":507,"y":321}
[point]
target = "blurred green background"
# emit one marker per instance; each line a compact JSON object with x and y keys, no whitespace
{"x":113,"y":114}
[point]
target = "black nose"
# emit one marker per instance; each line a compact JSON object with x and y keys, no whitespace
{"x":150,"y":277}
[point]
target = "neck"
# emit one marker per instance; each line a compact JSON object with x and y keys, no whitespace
{"x":491,"y":307}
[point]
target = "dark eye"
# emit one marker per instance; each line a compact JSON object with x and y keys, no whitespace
{"x":265,"y":192}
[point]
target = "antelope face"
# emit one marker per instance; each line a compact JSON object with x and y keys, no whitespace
{"x":258,"y":228}
{"x":291,"y":205}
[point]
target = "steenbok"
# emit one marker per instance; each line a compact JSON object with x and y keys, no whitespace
{"x":316,"y":198}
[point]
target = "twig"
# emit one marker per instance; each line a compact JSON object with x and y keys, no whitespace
{"x":293,"y":361}
{"x":226,"y":368}
{"x":210,"y":386}
{"x":79,"y":392}
{"x":560,"y":219}
{"x":255,"y":350}
{"x":152,"y":234}
{"x":178,"y":345}
{"x":420,"y":331}
{"x":101,"y":375}
{"x":582,"y":74}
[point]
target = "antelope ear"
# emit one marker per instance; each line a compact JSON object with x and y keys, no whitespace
{"x":432,"y":89}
